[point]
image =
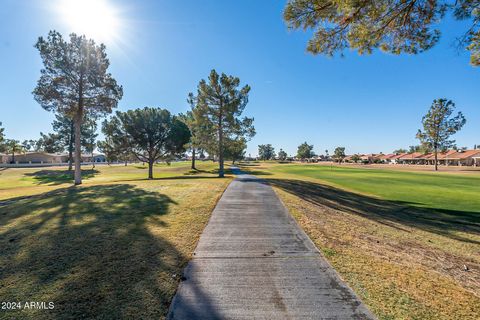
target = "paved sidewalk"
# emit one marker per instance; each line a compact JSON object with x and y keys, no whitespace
{"x":254,"y":262}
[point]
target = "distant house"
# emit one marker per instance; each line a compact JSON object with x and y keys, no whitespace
{"x":4,"y":158}
{"x":348,"y":159}
{"x":322,"y":158}
{"x":363,"y":158}
{"x":369,"y":158}
{"x":96,"y":157}
{"x":36,"y":158}
{"x":463,"y":158}
{"x":417,"y":158}
{"x":386,"y":158}
{"x":313,"y":159}
{"x":476,"y":160}
{"x":410,"y":158}
{"x":47,"y":158}
{"x":442,"y":157}
{"x":396,"y":158}
{"x":448,"y":158}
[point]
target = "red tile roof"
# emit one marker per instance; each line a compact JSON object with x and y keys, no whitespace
{"x":464,"y":154}
{"x":411,"y":156}
{"x":450,"y":154}
{"x":398,"y":156}
{"x":427,"y":156}
{"x":386,"y":156}
{"x":444,"y":155}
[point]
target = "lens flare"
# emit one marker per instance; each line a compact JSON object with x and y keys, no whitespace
{"x":97,"y":19}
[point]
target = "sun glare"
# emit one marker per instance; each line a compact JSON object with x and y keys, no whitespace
{"x":97,"y":19}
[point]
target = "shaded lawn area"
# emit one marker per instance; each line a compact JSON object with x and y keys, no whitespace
{"x":103,"y":250}
{"x":56,"y":177}
{"x":402,"y":252}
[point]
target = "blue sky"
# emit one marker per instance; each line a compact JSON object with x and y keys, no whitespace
{"x":365,"y":103}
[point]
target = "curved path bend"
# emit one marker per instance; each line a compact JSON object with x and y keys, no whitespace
{"x":254,"y":262}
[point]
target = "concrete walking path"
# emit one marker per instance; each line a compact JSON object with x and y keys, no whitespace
{"x":254,"y":262}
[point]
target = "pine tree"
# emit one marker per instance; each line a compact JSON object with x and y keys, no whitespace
{"x":218,"y":106}
{"x":74,"y":82}
{"x":439,"y":125}
{"x":397,"y":26}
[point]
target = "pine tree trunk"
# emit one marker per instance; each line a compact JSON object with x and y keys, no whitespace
{"x":70,"y":147}
{"x":150,"y":169}
{"x":436,"y":161}
{"x":221,"y":173}
{"x":193,"y":159}
{"x":78,"y":148}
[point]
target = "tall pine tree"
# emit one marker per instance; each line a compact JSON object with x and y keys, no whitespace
{"x":439,"y":125}
{"x":218,"y":105}
{"x":75,"y":82}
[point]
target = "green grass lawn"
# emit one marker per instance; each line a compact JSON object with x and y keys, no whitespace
{"x":450,"y":191}
{"x":114,"y":247}
{"x":399,"y":238}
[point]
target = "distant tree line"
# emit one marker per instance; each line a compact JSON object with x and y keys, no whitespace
{"x":267,"y":152}
{"x":304,"y":152}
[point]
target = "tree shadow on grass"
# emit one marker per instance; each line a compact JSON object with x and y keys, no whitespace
{"x":187,"y":177}
{"x":91,"y":251}
{"x":196,"y":172}
{"x":256,"y":172}
{"x":391,"y":213}
{"x":245,"y":164}
{"x":247,"y":169}
{"x":192,"y":172}
{"x":56,"y":177}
